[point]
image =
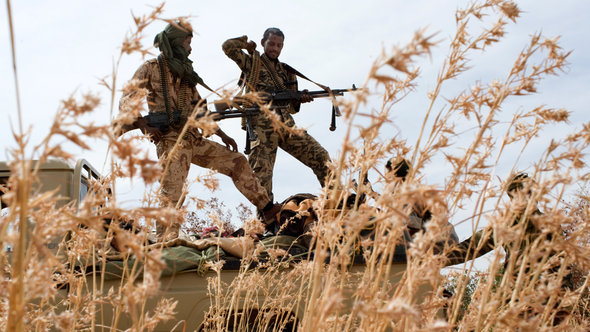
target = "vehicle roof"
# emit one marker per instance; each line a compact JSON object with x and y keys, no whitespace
{"x":51,"y":164}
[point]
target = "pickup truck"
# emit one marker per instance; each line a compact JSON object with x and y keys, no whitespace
{"x":255,"y":295}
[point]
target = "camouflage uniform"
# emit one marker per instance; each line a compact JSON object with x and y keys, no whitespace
{"x":263,"y":151}
{"x":484,"y":240}
{"x":193,"y":147}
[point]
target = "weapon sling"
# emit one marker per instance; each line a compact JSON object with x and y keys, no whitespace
{"x":335,"y":109}
{"x":279,"y":84}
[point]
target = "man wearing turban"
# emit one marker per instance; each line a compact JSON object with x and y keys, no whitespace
{"x":170,"y":81}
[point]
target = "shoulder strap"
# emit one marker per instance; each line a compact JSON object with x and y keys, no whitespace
{"x":335,"y":109}
{"x":202,"y":83}
{"x":164,"y":85}
{"x":278,"y":82}
{"x":298,"y":73}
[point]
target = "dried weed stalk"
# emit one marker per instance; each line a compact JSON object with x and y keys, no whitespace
{"x":330,"y":292}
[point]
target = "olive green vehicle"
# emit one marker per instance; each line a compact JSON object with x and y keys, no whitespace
{"x":192,"y":286}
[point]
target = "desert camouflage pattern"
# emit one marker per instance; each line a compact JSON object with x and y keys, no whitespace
{"x":302,"y":147}
{"x":205,"y":153}
{"x":263,"y":151}
{"x":180,"y":94}
{"x":193,"y":148}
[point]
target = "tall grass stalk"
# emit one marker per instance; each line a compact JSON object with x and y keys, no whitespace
{"x":329,"y":292}
{"x":16,"y":299}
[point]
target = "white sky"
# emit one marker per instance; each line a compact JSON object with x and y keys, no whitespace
{"x":66,"y":46}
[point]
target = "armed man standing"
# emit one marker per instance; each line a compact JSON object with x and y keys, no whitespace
{"x":265,"y":73}
{"x":171,"y":85}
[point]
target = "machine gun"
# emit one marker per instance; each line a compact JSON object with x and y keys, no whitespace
{"x":246,"y":112}
{"x":234,"y":108}
{"x":290,"y":95}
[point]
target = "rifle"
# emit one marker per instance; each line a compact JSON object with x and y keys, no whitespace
{"x":161,"y":121}
{"x":290,"y":95}
{"x":282,"y":95}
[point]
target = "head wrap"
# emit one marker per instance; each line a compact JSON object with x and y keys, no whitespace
{"x":170,"y":43}
{"x":399,"y":165}
{"x":518,"y":182}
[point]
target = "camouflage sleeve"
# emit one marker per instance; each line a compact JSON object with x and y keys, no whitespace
{"x":132,"y":100}
{"x":483,"y":242}
{"x":131,"y":90}
{"x":233,"y":48}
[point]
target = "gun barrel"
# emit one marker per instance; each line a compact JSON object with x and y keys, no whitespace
{"x":234,"y":113}
{"x":341,"y":92}
{"x":335,"y":92}
{"x":319,"y":94}
{"x":225,"y":115}
{"x":240,"y":113}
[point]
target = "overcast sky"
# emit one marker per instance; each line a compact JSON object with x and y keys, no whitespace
{"x":66,"y":46}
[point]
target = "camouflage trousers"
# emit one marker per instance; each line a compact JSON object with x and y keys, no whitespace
{"x":200,"y":151}
{"x":303,"y":147}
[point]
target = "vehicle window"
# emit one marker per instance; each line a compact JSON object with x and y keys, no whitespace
{"x":3,"y":182}
{"x":83,"y":190}
{"x":4,"y":212}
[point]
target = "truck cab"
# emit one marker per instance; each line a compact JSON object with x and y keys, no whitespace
{"x":71,"y":184}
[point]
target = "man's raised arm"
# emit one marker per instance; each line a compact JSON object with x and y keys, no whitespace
{"x":234,"y":47}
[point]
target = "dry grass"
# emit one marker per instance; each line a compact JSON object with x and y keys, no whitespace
{"x":524,"y":293}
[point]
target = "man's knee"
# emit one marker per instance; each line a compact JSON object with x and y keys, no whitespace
{"x":239,"y":166}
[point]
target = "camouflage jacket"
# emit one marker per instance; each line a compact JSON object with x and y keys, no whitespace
{"x":180,"y":93}
{"x":484,"y":241}
{"x":263,"y":78}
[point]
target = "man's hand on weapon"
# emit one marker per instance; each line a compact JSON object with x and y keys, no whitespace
{"x":306,"y":97}
{"x":216,"y":116}
{"x":154,"y":133}
{"x":229,"y":142}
